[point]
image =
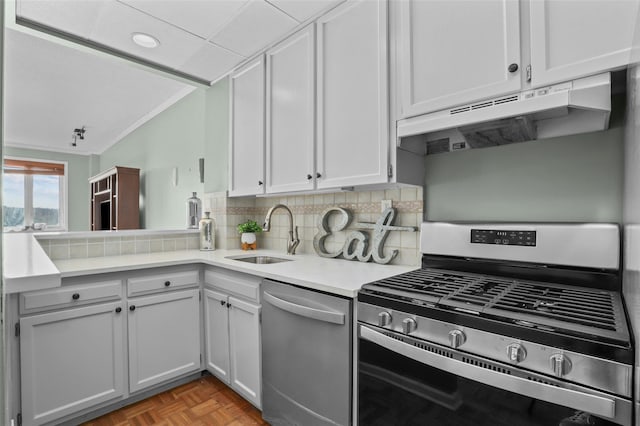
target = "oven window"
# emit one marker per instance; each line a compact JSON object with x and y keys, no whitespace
{"x":395,"y":390}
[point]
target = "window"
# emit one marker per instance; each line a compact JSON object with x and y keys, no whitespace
{"x":33,"y":195}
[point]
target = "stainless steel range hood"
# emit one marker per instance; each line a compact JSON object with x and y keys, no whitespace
{"x":578,"y":106}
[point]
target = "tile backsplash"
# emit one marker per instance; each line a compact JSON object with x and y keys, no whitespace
{"x":115,"y":245}
{"x":365,"y":206}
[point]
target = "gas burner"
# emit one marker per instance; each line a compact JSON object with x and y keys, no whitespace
{"x":484,"y":288}
{"x":577,"y":310}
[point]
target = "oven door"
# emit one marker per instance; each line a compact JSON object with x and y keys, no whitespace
{"x":405,"y":381}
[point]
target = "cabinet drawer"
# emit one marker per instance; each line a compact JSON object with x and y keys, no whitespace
{"x":162,"y":282}
{"x":235,"y":283}
{"x":63,"y":297}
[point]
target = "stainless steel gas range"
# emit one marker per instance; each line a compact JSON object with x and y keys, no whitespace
{"x":504,"y":324}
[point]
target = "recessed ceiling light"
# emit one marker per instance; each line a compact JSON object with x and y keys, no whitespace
{"x":145,"y":40}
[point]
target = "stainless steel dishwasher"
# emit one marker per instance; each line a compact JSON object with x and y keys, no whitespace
{"x":306,"y":356}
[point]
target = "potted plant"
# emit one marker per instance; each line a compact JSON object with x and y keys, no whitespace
{"x":248,"y":231}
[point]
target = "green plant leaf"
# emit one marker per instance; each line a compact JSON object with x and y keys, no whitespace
{"x":249,"y":226}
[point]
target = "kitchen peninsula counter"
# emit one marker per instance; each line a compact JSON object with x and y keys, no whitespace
{"x":27,"y":267}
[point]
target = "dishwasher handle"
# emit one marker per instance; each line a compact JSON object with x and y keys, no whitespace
{"x":305,"y":311}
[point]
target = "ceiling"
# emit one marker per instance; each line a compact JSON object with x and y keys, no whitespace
{"x":204,"y":39}
{"x":51,"y":88}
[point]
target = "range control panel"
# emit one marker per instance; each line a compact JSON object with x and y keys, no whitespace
{"x":505,"y":238}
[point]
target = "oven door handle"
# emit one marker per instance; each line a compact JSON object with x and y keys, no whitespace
{"x":600,"y":406}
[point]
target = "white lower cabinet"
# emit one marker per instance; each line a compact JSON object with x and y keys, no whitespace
{"x":244,"y":348}
{"x":164,"y":337}
{"x":216,"y":326}
{"x":70,"y":360}
{"x":77,"y":341}
{"x":232,"y":333}
{"x":232,"y":330}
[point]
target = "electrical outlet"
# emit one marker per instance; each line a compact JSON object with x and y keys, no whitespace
{"x":385,"y":204}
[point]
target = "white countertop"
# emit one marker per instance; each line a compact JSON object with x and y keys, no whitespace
{"x":27,"y":267}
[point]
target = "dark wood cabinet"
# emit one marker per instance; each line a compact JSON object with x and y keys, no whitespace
{"x":115,"y":197}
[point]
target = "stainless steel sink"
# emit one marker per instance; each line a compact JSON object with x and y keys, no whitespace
{"x":260,"y":260}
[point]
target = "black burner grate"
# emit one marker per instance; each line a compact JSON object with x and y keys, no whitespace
{"x":580,"y":310}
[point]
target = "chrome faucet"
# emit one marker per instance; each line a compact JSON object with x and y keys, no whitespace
{"x":293,"y":241}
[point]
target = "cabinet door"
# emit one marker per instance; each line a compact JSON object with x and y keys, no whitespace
{"x":455,"y":52}
{"x":164,"y":337}
{"x":290,"y":114}
{"x":244,"y":332}
{"x":216,"y":329}
{"x":571,"y":39}
{"x":246,"y":150}
{"x":353,"y":116}
{"x":70,"y":360}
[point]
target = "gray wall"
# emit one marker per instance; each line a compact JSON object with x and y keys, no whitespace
{"x":632,"y":150}
{"x":195,"y":127}
{"x":571,"y":179}
{"x":78,"y":174}
{"x":172,"y":139}
{"x":216,"y":148}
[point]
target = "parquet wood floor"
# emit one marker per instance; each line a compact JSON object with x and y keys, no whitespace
{"x":203,"y":402}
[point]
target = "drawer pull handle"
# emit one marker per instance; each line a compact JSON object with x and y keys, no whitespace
{"x":167,"y":283}
{"x":118,"y":310}
{"x":75,"y":296}
{"x":132,"y":308}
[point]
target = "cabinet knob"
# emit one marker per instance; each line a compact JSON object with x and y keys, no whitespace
{"x":132,"y":308}
{"x":118,"y":310}
{"x":318,"y":175}
{"x":75,"y":296}
{"x":222,"y":302}
{"x":229,"y":305}
{"x":309,"y":177}
{"x":167,"y":283}
{"x":260,"y":183}
{"x":513,"y":68}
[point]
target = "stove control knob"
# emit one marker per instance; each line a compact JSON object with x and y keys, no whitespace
{"x":516,"y":353}
{"x":560,"y":364}
{"x":456,"y":338}
{"x":409,"y":325}
{"x":384,"y":319}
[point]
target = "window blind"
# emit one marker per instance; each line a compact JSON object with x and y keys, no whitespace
{"x":28,"y":167}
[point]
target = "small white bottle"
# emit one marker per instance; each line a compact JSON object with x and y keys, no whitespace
{"x":207,"y":233}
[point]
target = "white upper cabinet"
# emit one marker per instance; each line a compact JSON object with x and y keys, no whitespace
{"x":571,"y":39}
{"x":291,"y":114}
{"x":246,"y":150}
{"x":352,"y":95}
{"x":455,"y":52}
